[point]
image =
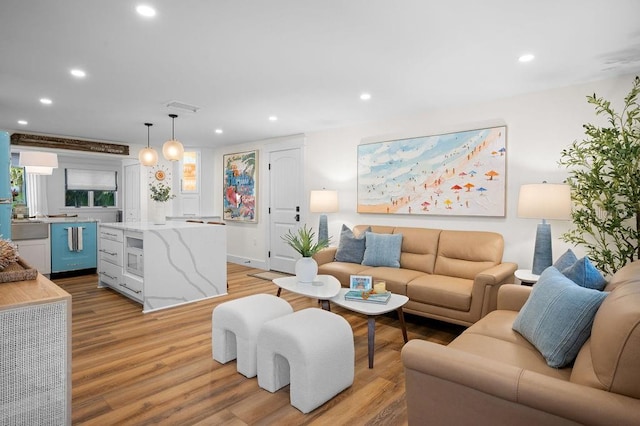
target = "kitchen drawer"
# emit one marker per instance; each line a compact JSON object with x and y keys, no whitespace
{"x":132,"y":286}
{"x":111,"y":234}
{"x":110,"y":274}
{"x":111,"y":251}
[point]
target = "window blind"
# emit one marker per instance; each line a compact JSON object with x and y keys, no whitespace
{"x":91,"y":180}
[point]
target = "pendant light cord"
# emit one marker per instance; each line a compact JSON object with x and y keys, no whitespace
{"x":173,"y":126}
{"x":148,"y":127}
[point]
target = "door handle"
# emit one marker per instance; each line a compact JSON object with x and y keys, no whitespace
{"x":297,"y":217}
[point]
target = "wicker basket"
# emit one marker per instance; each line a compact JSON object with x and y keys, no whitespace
{"x":18,"y":271}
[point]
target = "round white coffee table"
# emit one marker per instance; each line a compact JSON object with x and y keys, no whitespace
{"x":323,"y":288}
{"x":371,"y":310}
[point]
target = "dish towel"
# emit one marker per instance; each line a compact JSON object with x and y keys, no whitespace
{"x":74,"y":238}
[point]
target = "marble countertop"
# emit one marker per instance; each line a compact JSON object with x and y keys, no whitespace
{"x":150,"y":226}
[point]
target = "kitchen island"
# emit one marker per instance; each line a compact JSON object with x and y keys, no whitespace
{"x":161,"y":266}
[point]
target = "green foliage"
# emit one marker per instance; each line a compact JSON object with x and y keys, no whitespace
{"x":605,"y":184}
{"x":160,"y":192}
{"x":302,"y":241}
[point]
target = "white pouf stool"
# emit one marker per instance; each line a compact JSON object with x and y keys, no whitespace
{"x":313,"y":350}
{"x":235,"y":327}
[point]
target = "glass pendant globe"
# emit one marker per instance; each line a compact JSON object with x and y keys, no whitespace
{"x":148,"y":156}
{"x":173,"y":150}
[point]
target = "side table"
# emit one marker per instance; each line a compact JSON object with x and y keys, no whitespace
{"x":526,"y":277}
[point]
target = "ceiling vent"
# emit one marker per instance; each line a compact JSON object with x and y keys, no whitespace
{"x":182,"y":106}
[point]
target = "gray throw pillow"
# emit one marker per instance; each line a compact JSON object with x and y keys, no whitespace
{"x":382,"y":250}
{"x":567,"y":259}
{"x":350,"y":248}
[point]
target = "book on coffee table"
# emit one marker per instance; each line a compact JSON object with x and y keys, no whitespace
{"x":367,"y":296}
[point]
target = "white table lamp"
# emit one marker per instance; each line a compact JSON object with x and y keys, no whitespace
{"x":544,"y":201}
{"x":323,"y":201}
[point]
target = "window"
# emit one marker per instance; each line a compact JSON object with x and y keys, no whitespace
{"x":90,"y":188}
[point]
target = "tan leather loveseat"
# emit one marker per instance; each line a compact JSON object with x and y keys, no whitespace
{"x":452,"y":276}
{"x":491,"y":375}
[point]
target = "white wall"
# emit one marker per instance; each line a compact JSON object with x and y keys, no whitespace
{"x":539,"y":126}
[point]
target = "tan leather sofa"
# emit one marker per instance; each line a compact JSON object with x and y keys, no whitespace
{"x":451,"y":276}
{"x":491,"y":375}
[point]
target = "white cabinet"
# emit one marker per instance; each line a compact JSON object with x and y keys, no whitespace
{"x":132,"y":207}
{"x":112,"y":265}
{"x":37,"y":253}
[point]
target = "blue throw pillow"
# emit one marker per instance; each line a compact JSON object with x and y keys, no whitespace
{"x":382,"y":250}
{"x":558,"y":316}
{"x":585,"y":274}
{"x":567,"y":259}
{"x":350,"y":248}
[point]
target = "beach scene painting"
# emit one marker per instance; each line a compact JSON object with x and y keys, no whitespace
{"x":240,"y":186}
{"x":453,"y":174}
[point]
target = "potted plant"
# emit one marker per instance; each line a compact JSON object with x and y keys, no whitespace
{"x":604,"y":175}
{"x":302,"y":241}
{"x":160,"y":193}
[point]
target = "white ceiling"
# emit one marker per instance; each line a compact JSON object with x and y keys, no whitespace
{"x":305,"y":61}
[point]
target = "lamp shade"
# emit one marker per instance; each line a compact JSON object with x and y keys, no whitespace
{"x":38,"y":163}
{"x":323,"y":201}
{"x":545,"y":201}
{"x":172,"y":150}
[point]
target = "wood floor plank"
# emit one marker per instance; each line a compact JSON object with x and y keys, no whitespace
{"x":130,"y":368}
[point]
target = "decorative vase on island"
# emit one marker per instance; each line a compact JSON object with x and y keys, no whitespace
{"x":158,"y":213}
{"x":306,"y":269}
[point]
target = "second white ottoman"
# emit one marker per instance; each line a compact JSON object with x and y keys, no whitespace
{"x":235,"y":327}
{"x":313,"y":350}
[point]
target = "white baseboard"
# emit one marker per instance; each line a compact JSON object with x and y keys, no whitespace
{"x":251,"y":263}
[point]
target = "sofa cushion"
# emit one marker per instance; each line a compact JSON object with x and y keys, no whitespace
{"x":567,"y":259}
{"x":558,"y":316}
{"x":458,"y":257}
{"x":382,"y":249}
{"x":583,"y":273}
{"x":440,"y":290}
{"x":351,"y":247}
{"x":396,"y":278}
{"x":419,"y":248}
{"x":341,"y":270}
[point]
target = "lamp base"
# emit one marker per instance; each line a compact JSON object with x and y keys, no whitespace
{"x":542,"y":256}
{"x":323,"y":229}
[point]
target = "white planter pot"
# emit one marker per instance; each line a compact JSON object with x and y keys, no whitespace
{"x":158,"y":215}
{"x":306,"y":269}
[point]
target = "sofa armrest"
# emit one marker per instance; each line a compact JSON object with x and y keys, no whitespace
{"x":512,"y":297}
{"x":497,"y":275}
{"x":325,"y":255}
{"x":439,"y":377}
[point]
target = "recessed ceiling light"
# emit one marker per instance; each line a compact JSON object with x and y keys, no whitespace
{"x":219,"y":131}
{"x":23,"y":122}
{"x":273,"y":118}
{"x":365,"y":96}
{"x":146,"y":11}
{"x":78,"y":73}
{"x":528,"y":57}
{"x":46,"y":101}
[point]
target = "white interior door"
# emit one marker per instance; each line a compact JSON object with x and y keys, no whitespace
{"x":131,"y":193}
{"x":286,"y":197}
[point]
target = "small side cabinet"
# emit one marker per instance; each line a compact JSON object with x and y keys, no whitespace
{"x":63,"y":258}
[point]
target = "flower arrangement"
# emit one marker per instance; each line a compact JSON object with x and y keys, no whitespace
{"x":160,"y":192}
{"x":302,"y":241}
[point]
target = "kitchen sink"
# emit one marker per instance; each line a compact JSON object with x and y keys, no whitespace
{"x":32,"y":230}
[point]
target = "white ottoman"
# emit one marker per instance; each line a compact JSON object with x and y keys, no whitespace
{"x":313,"y":350}
{"x":235,"y":327}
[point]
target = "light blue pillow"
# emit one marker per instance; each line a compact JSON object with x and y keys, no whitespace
{"x":585,"y":274}
{"x":558,"y":316}
{"x":351,"y":248}
{"x":567,"y":259}
{"x":382,"y":250}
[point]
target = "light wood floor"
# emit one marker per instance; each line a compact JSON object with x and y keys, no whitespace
{"x":131,"y":368}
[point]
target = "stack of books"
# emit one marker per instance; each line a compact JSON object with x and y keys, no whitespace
{"x":367,"y":296}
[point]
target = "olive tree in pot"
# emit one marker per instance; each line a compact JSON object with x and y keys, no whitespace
{"x":604,"y":175}
{"x":302,"y":241}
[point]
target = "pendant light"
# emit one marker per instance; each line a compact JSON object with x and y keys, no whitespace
{"x":172,"y":149}
{"x":38,"y":163}
{"x":148,"y":156}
